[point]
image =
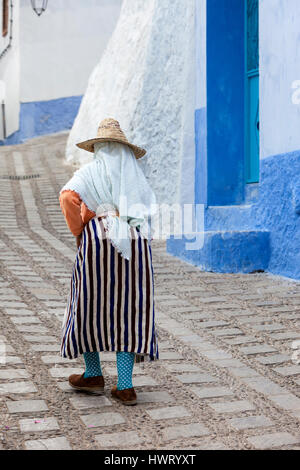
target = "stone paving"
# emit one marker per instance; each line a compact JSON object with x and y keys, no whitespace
{"x":226,"y":378}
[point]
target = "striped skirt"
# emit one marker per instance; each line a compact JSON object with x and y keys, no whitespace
{"x":111,"y":300}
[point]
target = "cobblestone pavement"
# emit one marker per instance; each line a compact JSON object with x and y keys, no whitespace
{"x":225,"y":379}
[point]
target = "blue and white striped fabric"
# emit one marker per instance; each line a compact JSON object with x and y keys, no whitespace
{"x":111,"y":302}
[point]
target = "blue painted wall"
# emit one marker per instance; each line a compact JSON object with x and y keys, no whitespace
{"x":262,"y":234}
{"x":247,"y":227}
{"x":225,"y":52}
{"x":278,"y":211}
{"x":44,"y":117}
{"x":227,"y":251}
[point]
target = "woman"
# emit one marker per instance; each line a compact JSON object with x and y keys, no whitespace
{"x":111,"y":302}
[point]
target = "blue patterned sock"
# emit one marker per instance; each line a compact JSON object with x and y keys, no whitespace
{"x":92,"y":364}
{"x":125,"y":363}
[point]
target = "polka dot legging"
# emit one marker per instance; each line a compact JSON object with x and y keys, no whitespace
{"x":92,"y":364}
{"x":125,"y":363}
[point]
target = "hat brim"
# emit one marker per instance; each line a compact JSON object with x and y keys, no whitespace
{"x":89,"y":145}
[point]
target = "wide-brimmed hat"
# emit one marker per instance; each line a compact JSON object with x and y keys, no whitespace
{"x":109,"y":130}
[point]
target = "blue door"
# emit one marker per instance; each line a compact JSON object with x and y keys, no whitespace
{"x":252,"y":92}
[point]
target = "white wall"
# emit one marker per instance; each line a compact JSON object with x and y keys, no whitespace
{"x":60,"y":48}
{"x":279,"y":68}
{"x":200,"y":63}
{"x":187,"y":151}
{"x":144,"y":80}
{"x":9,"y":74}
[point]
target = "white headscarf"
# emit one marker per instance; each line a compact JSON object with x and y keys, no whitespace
{"x":114,"y":180}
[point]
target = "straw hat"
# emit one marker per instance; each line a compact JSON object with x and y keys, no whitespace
{"x":109,"y":130}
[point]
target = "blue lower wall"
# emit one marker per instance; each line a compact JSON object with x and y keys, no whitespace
{"x":44,"y":117}
{"x":227,"y":251}
{"x":263,"y":233}
{"x":277,"y":210}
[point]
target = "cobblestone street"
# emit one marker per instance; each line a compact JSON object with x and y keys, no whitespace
{"x":225,"y":378}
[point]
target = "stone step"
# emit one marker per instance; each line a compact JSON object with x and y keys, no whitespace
{"x":225,"y":251}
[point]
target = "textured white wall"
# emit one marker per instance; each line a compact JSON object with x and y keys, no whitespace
{"x":146,"y":80}
{"x":279,"y":68}
{"x":200,"y":40}
{"x":10,"y":75}
{"x":60,"y":48}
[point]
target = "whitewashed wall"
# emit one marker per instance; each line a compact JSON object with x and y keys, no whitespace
{"x":10,"y":75}
{"x":146,"y":80}
{"x":200,"y":42}
{"x":60,"y":48}
{"x":279,"y":68}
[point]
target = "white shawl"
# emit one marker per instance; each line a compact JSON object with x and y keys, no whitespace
{"x":115,"y":181}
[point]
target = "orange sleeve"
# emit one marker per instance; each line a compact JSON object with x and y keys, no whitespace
{"x":86,"y":214}
{"x":70,"y":204}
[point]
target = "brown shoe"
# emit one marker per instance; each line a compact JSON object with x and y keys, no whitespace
{"x":127,"y":396}
{"x":88,"y":384}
